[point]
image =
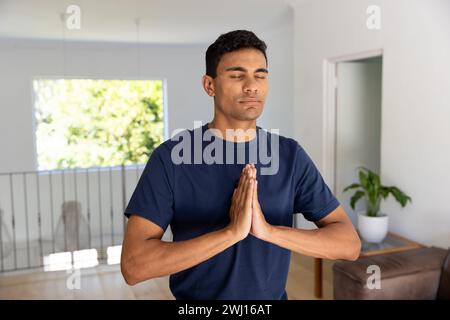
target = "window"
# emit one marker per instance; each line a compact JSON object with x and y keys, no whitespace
{"x":85,"y":122}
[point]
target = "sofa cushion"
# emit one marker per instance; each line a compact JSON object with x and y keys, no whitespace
{"x":411,"y":274}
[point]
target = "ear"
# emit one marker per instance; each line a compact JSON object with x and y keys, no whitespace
{"x":208,"y":85}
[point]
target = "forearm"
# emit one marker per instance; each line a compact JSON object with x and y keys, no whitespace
{"x":157,"y":258}
{"x":335,"y":241}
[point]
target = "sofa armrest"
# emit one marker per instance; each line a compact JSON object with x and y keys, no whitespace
{"x":444,"y":284}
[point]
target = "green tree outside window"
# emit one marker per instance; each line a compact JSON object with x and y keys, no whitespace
{"x":86,"y":123}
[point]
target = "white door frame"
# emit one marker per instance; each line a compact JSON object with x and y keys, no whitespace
{"x":329,"y":110}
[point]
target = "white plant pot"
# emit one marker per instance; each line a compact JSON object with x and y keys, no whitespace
{"x":372,"y":229}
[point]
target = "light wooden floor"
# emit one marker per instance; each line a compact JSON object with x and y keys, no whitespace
{"x":106,"y":282}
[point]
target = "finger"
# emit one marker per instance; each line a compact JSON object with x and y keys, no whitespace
{"x":245,"y":185}
{"x":243,"y":171}
{"x":241,"y":187}
{"x":246,"y":181}
{"x":233,"y":202}
{"x":240,"y":176}
{"x":249,"y":193}
{"x":255,"y":193}
{"x":241,"y":179}
{"x":246,"y":169}
{"x":251,"y":169}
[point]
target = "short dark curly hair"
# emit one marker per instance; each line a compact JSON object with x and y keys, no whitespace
{"x":228,"y":42}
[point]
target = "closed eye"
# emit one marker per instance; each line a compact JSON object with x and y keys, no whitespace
{"x":239,"y":77}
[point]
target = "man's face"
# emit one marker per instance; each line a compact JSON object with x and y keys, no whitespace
{"x":241,"y":84}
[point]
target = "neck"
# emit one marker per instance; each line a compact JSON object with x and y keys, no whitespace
{"x":238,"y":128}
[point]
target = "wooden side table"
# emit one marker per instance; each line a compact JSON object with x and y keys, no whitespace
{"x":392,"y":243}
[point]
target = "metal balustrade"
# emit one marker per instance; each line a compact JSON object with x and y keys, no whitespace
{"x":43,"y":213}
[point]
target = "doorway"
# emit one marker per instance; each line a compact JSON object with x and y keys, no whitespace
{"x":352,"y":123}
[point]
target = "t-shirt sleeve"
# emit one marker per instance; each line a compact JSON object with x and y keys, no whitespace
{"x":153,"y":196}
{"x":313,"y":197}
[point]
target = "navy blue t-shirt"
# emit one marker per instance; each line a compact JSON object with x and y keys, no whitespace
{"x":195,"y":199}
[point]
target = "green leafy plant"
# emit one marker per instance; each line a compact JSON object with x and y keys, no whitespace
{"x":370,"y":188}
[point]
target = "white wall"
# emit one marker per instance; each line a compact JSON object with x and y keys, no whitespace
{"x":182,"y":67}
{"x":415,"y":140}
{"x":278,"y":110}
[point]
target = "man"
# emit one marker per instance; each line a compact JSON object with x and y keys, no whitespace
{"x":232,"y":226}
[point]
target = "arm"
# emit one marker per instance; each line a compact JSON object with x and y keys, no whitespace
{"x":146,"y":256}
{"x":336,"y":238}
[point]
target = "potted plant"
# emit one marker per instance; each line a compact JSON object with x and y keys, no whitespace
{"x":373,"y":225}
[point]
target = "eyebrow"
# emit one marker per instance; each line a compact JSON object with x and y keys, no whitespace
{"x":245,"y":70}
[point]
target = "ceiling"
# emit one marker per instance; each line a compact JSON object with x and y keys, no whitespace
{"x":160,"y":21}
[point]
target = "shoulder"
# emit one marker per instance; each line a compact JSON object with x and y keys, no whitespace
{"x":177,"y":135}
{"x":164,"y":150}
{"x":286,"y":144}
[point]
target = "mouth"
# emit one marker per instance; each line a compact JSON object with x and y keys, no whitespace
{"x":250,"y":102}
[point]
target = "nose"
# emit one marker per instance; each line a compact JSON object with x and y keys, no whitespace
{"x":250,"y":86}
